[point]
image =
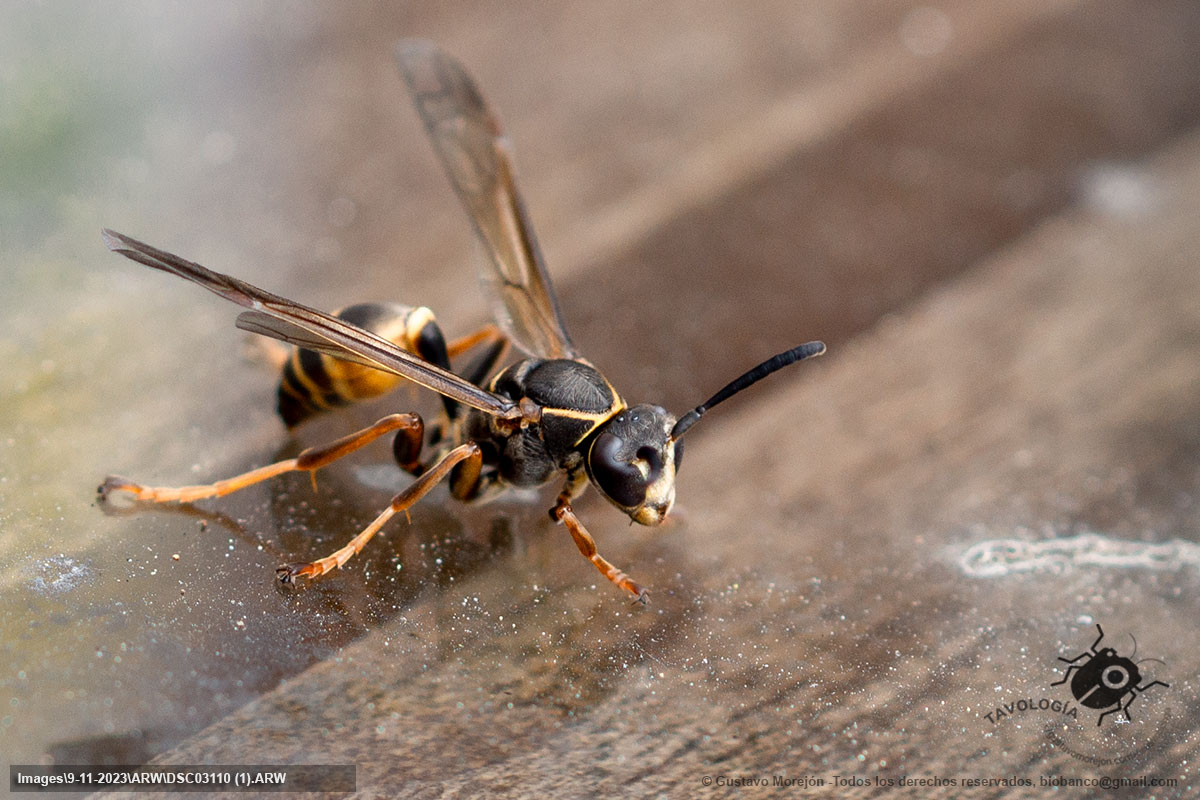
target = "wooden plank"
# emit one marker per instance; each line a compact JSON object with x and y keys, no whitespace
{"x":816,"y":614}
{"x":710,"y":188}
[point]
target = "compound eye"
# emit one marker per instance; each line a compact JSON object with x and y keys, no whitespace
{"x":620,"y":480}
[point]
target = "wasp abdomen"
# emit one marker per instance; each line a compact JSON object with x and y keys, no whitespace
{"x":313,"y":382}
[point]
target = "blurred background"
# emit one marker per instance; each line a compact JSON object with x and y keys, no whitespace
{"x":711,"y":183}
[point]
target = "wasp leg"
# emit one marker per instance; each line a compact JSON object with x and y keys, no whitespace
{"x":476,"y":372}
{"x":309,"y":460}
{"x":468,"y":453}
{"x":406,"y":448}
{"x":562,"y":512}
{"x":488,"y":333}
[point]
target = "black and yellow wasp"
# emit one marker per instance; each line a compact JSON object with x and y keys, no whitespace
{"x":550,"y":415}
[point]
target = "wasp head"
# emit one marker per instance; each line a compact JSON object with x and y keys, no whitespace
{"x":633,"y":456}
{"x":632,"y":461}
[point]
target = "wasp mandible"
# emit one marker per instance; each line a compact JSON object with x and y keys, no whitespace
{"x":551,"y":415}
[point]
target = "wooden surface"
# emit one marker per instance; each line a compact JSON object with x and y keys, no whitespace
{"x":824,"y":618}
{"x":988,"y":213}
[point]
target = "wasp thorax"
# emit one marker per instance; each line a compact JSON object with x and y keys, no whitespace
{"x":632,"y":459}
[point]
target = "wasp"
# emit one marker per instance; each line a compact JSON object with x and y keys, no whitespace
{"x":550,"y":415}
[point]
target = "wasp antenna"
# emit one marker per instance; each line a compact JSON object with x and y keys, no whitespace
{"x":749,"y":378}
{"x":1144,"y":660}
{"x":1132,"y":657}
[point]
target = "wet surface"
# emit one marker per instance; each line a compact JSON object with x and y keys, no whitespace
{"x":911,"y":628}
{"x":279,"y":146}
{"x":209,"y":131}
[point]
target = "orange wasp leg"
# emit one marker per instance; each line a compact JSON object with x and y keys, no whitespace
{"x":469,"y":452}
{"x":488,"y":333}
{"x":563,"y":512}
{"x":310,"y":460}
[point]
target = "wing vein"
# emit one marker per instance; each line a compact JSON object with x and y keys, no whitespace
{"x":473,"y":151}
{"x":317,"y":330}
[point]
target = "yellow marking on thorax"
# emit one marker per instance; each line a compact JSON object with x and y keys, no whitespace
{"x":597,"y":418}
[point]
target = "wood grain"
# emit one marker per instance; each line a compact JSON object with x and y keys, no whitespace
{"x":812,"y":614}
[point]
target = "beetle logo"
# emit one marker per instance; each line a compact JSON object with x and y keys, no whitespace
{"x":1105,"y":678}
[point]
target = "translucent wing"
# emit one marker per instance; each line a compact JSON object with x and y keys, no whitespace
{"x":280,"y":318}
{"x":467,"y":138}
{"x":264,"y":324}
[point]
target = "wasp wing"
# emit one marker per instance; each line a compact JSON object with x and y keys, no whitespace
{"x":265,"y":325}
{"x":474,"y":152}
{"x":280,"y":318}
